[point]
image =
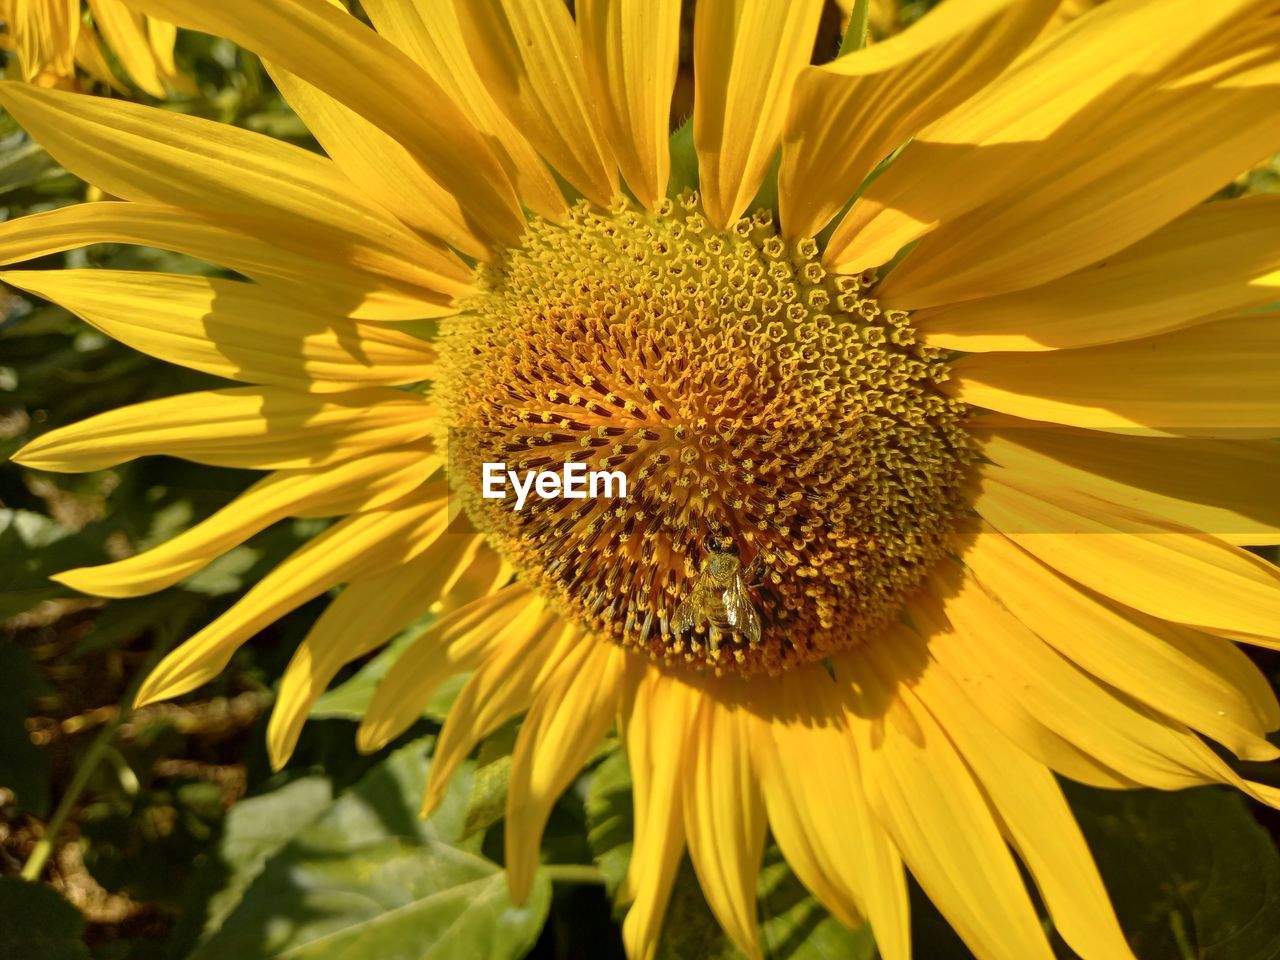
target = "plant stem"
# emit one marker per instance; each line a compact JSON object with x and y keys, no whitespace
{"x":32,"y":869}
{"x":573,"y":873}
{"x":43,"y":849}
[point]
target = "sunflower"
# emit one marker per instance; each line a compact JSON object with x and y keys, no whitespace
{"x":49,"y":41}
{"x":975,"y":438}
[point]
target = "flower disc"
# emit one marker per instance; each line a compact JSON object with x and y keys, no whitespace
{"x":755,"y":404}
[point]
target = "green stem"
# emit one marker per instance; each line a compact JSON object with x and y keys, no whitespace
{"x":855,"y":38}
{"x":98,"y":749}
{"x":1178,"y":926}
{"x":573,"y":873}
{"x":32,"y":869}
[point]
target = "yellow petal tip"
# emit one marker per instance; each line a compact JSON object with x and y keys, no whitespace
{"x":431,"y":800}
{"x":23,"y":458}
{"x":519,"y":884}
{"x":29,"y":457}
{"x":149,"y":695}
{"x":370,"y":739}
{"x":81,"y":579}
{"x":89,"y":580}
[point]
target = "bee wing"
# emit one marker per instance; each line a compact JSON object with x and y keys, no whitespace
{"x":739,"y":611}
{"x":751,"y":628}
{"x":686,"y":615}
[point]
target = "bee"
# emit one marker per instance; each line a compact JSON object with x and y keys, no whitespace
{"x":719,"y":599}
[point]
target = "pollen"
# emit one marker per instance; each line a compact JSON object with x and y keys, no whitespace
{"x":761,"y":409}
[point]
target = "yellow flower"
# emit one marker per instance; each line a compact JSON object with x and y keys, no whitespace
{"x":999,"y":493}
{"x":49,"y":40}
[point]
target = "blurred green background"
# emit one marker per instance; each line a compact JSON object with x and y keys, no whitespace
{"x":162,"y":833}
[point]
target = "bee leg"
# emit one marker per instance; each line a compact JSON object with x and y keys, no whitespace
{"x":713,"y":639}
{"x":755,"y":572}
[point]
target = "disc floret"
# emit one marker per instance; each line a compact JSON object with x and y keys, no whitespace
{"x":748,"y":396}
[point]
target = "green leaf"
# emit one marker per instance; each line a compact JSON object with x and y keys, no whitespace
{"x":123,"y":621}
{"x":350,"y":700}
{"x":256,"y":829}
{"x":690,"y":929}
{"x":487,"y":802}
{"x":369,"y":878}
{"x":24,"y":767}
{"x":793,"y":925}
{"x":32,"y":546}
{"x":1192,"y":874}
{"x":121,"y":847}
{"x":684,"y":160}
{"x":37,"y":924}
{"x":855,"y":37}
{"x":22,"y":165}
{"x":609,"y":819}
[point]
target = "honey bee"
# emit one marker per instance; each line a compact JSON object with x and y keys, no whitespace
{"x":719,"y":600}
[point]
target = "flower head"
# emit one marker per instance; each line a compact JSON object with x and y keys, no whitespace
{"x":949,"y":459}
{"x":749,"y":395}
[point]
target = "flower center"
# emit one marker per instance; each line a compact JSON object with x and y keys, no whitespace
{"x":792,"y":470}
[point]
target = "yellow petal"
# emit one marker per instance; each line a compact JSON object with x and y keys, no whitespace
{"x":1008,"y":708}
{"x":453,"y":644}
{"x":1221,"y":487}
{"x":327,"y":47}
{"x":724,"y":818}
{"x":1218,"y":257}
{"x":362,"y":618}
{"x":1153,"y":159}
{"x":256,"y":428}
{"x":1150,"y":565}
{"x":364,"y":483}
{"x":91,"y":58}
{"x":528,"y":55}
{"x":926,"y":798}
{"x":315,"y":278}
{"x":1131,"y":655}
{"x":1030,"y":808}
{"x":570,"y":714}
{"x":631,"y":51}
{"x":359,"y":546}
{"x":163,"y":36}
{"x":126,"y":34}
{"x":44,"y":34}
{"x":382,"y":169}
{"x":243,"y":180}
{"x":1218,"y":379}
{"x":1253,"y":701}
{"x":1048,"y":127}
{"x":655,"y":723}
{"x":747,"y":55}
{"x":231,"y":329}
{"x":807,"y":756}
{"x":486,"y":574}
{"x":429,"y":31}
{"x":848,"y":115}
{"x":1229,"y":662}
{"x":518,"y":663}
{"x":1120,"y":732}
{"x":794,"y":822}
